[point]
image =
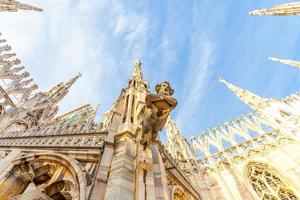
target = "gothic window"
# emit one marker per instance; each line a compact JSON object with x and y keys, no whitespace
{"x":267,"y":183}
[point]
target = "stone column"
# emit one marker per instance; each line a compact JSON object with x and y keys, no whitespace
{"x":144,"y":186}
{"x":100,"y":184}
{"x":120,"y":185}
{"x":160,"y":175}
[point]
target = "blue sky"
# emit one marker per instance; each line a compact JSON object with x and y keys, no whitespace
{"x":190,"y":43}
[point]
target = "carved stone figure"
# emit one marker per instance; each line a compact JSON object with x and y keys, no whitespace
{"x":28,"y":122}
{"x":158,"y":109}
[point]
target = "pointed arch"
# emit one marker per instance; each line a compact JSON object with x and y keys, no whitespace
{"x":52,"y":174}
{"x":267,"y":183}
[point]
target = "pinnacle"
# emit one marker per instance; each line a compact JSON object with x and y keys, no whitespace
{"x":250,"y":99}
{"x":273,"y":59}
{"x":137,"y":72}
{"x":74,"y":79}
{"x":63,"y":86}
{"x":229,"y":85}
{"x":286,"y":61}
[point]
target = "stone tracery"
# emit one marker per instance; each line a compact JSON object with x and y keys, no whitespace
{"x":267,"y":183}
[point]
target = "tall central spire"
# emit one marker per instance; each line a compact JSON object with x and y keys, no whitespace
{"x":137,"y":72}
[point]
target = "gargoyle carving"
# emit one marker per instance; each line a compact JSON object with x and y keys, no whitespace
{"x":158,"y":108}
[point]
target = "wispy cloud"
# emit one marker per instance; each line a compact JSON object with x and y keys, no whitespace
{"x":198,"y":73}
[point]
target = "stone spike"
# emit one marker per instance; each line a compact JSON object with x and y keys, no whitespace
{"x":63,"y":85}
{"x":252,"y":100}
{"x":280,"y":10}
{"x":58,"y":92}
{"x":137,"y":72}
{"x":72,"y":81}
{"x":286,"y":61}
{"x":14,"y":6}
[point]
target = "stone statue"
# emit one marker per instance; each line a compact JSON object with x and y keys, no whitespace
{"x":28,"y":122}
{"x":158,"y":108}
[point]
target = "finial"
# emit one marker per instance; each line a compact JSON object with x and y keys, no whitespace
{"x":222,"y":80}
{"x":229,"y":85}
{"x":138,"y":63}
{"x":273,"y":59}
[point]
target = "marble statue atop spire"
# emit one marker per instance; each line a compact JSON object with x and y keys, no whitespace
{"x":14,"y":6}
{"x":137,"y":72}
{"x":137,"y":78}
{"x":280,"y":10}
{"x":292,"y":63}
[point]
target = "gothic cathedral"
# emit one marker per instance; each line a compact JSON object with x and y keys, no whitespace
{"x":45,"y":156}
